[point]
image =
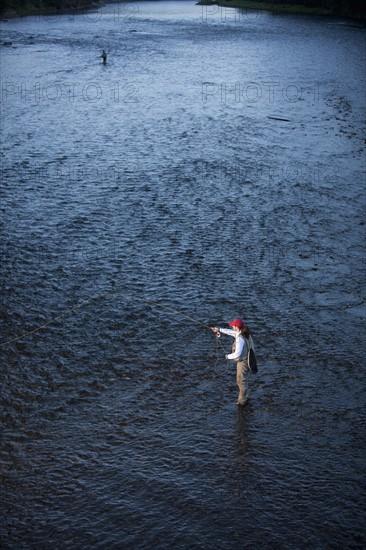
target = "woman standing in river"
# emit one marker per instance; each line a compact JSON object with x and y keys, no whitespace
{"x":239,"y":354}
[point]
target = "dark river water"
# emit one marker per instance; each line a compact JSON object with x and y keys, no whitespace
{"x":213,"y":168}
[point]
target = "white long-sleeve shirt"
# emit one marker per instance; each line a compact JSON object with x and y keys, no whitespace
{"x":239,"y":342}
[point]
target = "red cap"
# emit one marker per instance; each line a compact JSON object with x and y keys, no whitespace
{"x":237,"y":323}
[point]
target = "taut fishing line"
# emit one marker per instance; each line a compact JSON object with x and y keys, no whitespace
{"x":94,"y":297}
{"x":53,"y":320}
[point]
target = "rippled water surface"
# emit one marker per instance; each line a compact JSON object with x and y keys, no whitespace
{"x":213,"y":168}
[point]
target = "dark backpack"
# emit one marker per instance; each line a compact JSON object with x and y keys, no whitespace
{"x":252,"y":360}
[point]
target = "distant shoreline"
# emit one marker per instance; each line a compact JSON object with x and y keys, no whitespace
{"x":279,"y":8}
{"x":14,"y":8}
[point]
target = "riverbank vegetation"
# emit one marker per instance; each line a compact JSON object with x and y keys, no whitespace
{"x":345,"y":8}
{"x":19,"y":8}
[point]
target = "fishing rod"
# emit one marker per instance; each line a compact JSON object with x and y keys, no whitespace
{"x":159,"y":304}
{"x":177,"y":312}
